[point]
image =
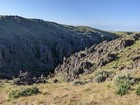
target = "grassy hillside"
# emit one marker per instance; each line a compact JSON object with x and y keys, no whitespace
{"x":123,"y":33}
{"x":67,"y":93}
{"x":125,"y":57}
{"x":96,"y":88}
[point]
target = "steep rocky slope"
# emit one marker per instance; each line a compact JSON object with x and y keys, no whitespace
{"x":122,"y":53}
{"x":38,"y":46}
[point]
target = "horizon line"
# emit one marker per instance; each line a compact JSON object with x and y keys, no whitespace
{"x":75,"y":25}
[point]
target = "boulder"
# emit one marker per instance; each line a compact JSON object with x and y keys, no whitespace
{"x":25,"y":78}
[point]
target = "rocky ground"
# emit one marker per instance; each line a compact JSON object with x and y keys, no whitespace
{"x":98,"y":56}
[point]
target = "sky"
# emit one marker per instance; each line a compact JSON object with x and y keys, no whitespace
{"x":111,"y":15}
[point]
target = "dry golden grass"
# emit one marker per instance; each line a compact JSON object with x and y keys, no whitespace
{"x":68,"y":94}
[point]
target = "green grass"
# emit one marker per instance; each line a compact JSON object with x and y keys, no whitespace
{"x":138,"y":91}
{"x":23,"y":92}
{"x":123,"y":33}
{"x":123,"y":59}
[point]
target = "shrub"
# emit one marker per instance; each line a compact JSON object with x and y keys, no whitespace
{"x":138,"y":91}
{"x":123,"y":88}
{"x":120,"y":79}
{"x":24,"y":92}
{"x":14,"y":94}
{"x":78,"y":83}
{"x":123,"y":83}
{"x":29,"y":91}
{"x":101,"y":76}
{"x":16,"y":81}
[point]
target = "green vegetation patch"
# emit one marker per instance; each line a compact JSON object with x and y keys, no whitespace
{"x":123,"y":83}
{"x":23,"y":92}
{"x":124,"y":57}
{"x":138,"y":91}
{"x":101,"y":76}
{"x":123,"y":33}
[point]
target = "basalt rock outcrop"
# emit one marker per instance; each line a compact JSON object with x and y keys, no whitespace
{"x":25,"y":78}
{"x":38,"y":46}
{"x":98,"y":56}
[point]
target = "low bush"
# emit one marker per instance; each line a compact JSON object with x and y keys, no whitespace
{"x":14,"y":94}
{"x":138,"y":91}
{"x":122,"y":78}
{"x":123,"y":88}
{"x":24,"y":92}
{"x":123,"y":83}
{"x":101,"y":76}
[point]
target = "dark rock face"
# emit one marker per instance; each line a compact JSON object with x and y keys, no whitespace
{"x":126,"y":43}
{"x":38,"y":46}
{"x":97,"y":56}
{"x":3,"y":76}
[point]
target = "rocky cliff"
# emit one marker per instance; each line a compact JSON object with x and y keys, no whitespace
{"x":122,"y":53}
{"x":39,"y":46}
